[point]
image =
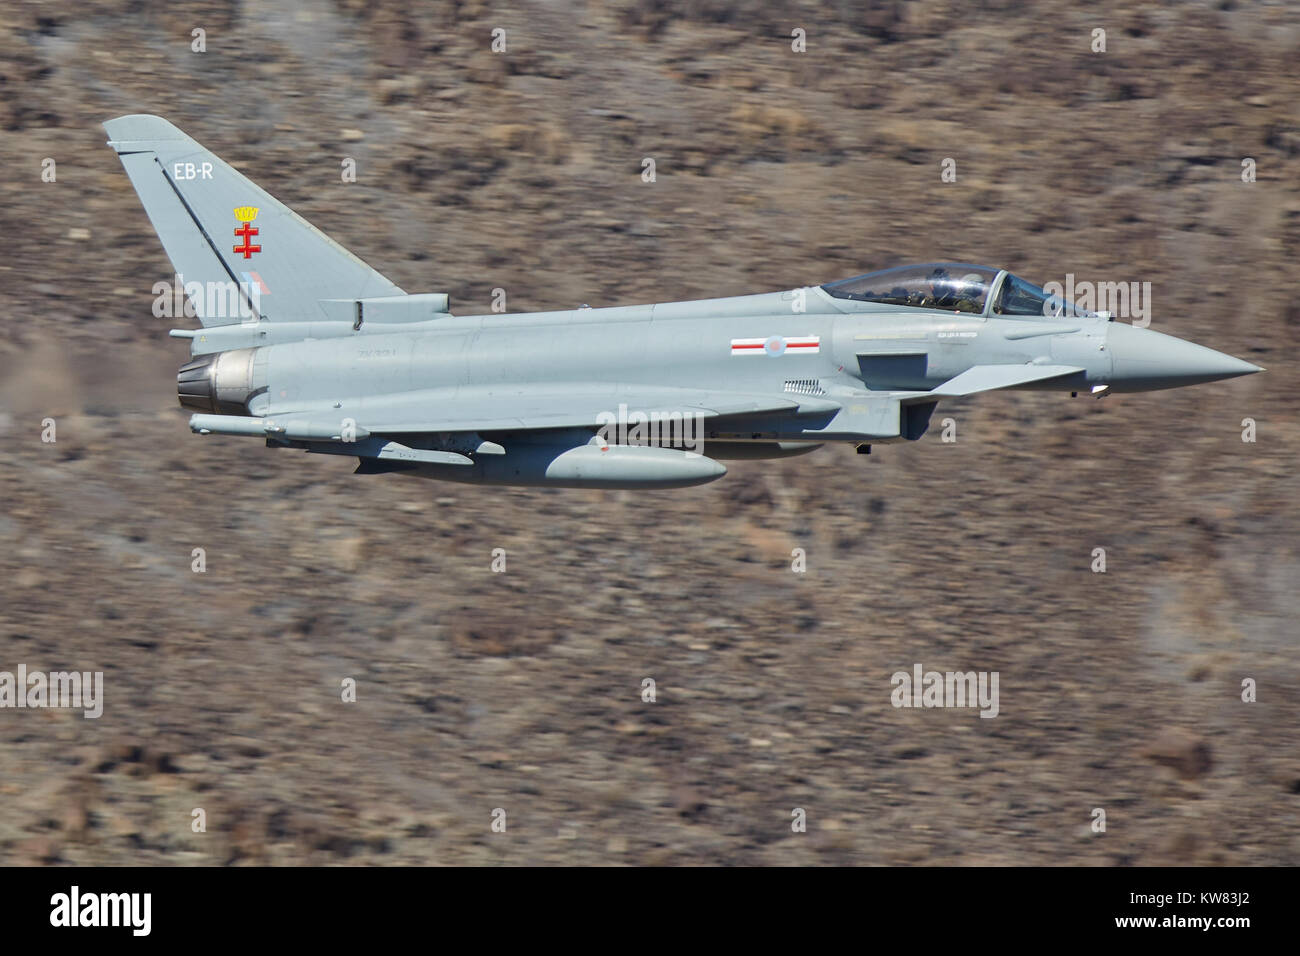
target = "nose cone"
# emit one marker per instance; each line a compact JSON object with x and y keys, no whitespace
{"x":1142,"y":360}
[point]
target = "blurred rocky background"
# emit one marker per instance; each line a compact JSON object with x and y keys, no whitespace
{"x":522,"y":690}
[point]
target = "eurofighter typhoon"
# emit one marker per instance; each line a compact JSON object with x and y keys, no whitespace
{"x":304,"y":345}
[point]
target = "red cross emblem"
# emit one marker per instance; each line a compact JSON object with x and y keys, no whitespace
{"x":246,"y":231}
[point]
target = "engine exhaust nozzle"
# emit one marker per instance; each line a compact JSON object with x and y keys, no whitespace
{"x":220,"y":383}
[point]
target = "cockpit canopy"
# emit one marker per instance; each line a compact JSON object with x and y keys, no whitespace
{"x":954,"y":287}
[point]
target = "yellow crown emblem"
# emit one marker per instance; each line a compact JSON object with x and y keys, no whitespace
{"x":246,"y":213}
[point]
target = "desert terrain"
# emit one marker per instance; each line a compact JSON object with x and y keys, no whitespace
{"x":522,"y":690}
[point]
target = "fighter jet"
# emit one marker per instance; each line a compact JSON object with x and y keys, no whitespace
{"x":304,"y":345}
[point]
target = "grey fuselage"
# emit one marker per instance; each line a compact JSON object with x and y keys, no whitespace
{"x":679,"y":344}
{"x":871,"y":378}
{"x":305,"y":345}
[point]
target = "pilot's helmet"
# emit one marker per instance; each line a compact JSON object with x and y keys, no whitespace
{"x":972,"y":283}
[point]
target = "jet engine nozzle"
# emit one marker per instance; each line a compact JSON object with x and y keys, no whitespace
{"x":220,"y":383}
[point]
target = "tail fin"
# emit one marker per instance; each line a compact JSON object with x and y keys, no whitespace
{"x":224,"y":232}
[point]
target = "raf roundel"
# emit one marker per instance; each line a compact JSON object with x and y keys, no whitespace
{"x":776,"y":345}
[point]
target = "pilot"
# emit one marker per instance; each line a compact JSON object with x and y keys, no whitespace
{"x":970,"y":293}
{"x":942,"y":295}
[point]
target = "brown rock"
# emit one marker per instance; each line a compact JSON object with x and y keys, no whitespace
{"x":1181,"y":750}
